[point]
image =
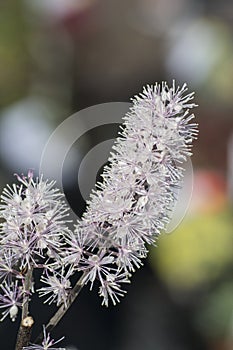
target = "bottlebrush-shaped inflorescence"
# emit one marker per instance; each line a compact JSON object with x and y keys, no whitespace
{"x":132,"y":204}
{"x":126,"y":211}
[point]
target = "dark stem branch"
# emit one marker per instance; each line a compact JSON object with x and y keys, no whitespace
{"x":63,"y":308}
{"x":24,"y":333}
{"x":27,"y":289}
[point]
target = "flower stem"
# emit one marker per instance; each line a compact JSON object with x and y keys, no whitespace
{"x":24,"y":333}
{"x":54,"y":320}
{"x":27,"y":288}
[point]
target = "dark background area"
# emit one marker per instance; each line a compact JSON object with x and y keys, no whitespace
{"x":60,"y":56}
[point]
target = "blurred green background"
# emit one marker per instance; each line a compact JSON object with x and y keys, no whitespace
{"x":59,"y":56}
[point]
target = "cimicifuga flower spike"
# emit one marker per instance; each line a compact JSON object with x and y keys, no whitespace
{"x":132,"y":205}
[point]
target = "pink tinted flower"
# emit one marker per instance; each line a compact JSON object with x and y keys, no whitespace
{"x":47,"y":343}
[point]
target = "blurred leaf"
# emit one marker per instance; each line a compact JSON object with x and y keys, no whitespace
{"x":214,"y":317}
{"x":196,"y":253}
{"x":13,"y":52}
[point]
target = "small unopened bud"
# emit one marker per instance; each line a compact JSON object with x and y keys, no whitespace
{"x":13,"y":312}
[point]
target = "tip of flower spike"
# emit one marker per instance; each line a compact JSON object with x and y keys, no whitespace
{"x":30,"y":174}
{"x":18,"y":176}
{"x":22,"y":177}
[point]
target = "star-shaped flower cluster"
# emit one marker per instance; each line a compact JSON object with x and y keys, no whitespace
{"x":33,"y":235}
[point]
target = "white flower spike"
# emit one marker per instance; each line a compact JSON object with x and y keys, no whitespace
{"x":133,"y":203}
